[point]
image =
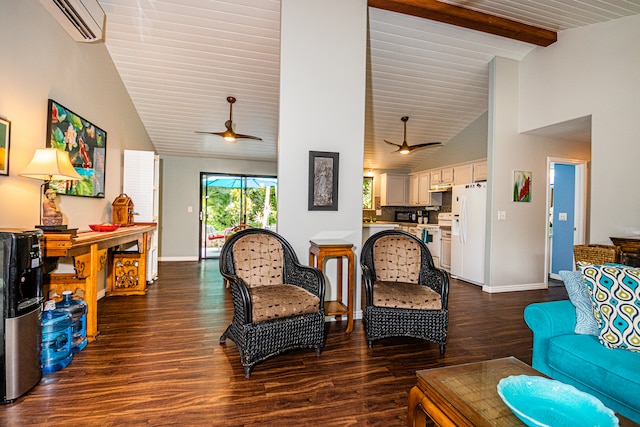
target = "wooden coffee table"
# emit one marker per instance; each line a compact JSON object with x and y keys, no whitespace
{"x":467,"y":395}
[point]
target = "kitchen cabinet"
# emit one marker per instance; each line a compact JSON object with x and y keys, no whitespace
{"x":442,"y":176}
{"x":414,"y":189}
{"x":447,"y":175}
{"x":394,"y":189}
{"x":480,"y":171}
{"x":426,"y":198}
{"x":463,"y":174}
{"x":436,"y":176}
{"x":419,"y":186}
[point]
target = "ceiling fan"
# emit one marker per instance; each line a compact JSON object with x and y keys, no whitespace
{"x":229,"y":135}
{"x":406,"y":148}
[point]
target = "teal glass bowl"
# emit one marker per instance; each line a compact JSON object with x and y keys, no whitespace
{"x":539,"y":401}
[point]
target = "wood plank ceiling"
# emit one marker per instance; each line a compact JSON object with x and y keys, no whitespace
{"x":180,"y":59}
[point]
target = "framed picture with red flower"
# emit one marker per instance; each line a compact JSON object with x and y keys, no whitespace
{"x":521,"y":186}
{"x":86,"y":144}
{"x":5,"y":135}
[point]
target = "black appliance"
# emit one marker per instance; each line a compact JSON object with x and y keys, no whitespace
{"x":21,"y":306}
{"x":402,"y":216}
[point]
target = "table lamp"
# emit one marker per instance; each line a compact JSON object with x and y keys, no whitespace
{"x":50,"y":164}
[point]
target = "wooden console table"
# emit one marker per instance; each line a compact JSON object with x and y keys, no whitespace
{"x":336,"y":248}
{"x":90,"y":254}
{"x":629,"y":249}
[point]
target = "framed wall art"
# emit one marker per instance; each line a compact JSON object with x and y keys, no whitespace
{"x":521,"y":186}
{"x":323,"y":181}
{"x":5,"y":137}
{"x":86,"y":144}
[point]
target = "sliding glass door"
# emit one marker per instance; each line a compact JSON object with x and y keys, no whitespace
{"x":232,"y":202}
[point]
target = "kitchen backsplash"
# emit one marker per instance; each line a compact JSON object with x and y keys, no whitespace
{"x":389,"y":212}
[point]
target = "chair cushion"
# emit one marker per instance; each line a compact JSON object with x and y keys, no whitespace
{"x":258,"y":260}
{"x":276,"y":301}
{"x":586,"y":322}
{"x":405,"y":295}
{"x":396,"y":259}
{"x":615,"y":292}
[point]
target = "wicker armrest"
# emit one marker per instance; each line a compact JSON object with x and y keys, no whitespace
{"x":241,"y":298}
{"x":308,"y":278}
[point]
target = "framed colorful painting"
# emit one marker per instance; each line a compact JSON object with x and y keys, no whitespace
{"x":521,"y":186}
{"x":86,"y":144}
{"x":5,"y":136}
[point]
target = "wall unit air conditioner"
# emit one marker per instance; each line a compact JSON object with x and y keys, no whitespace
{"x":82,"y":19}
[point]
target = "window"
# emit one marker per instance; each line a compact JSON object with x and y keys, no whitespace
{"x":367,"y":192}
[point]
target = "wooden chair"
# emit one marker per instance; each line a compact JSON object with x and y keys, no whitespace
{"x":405,"y":294}
{"x":278,"y":303}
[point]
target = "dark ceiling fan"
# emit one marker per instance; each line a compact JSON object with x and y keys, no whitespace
{"x":406,"y":148}
{"x":229,"y":135}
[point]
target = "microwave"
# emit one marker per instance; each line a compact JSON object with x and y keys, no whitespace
{"x":406,"y":216}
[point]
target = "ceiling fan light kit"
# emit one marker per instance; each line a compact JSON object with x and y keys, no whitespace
{"x":406,"y":148}
{"x":229,"y":135}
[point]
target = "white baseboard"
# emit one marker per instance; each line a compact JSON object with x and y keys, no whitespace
{"x":513,"y":288}
{"x":178,"y":258}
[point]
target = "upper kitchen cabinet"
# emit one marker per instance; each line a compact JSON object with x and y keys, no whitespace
{"x":394,"y":189}
{"x":419,"y":186}
{"x":414,"y":189}
{"x":480,"y":171}
{"x":463,"y":174}
{"x":425,"y":197}
{"x":447,"y":175}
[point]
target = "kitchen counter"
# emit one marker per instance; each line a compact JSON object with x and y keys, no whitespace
{"x":381,"y":224}
{"x":371,"y":228}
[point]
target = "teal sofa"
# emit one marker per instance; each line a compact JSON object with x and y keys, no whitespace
{"x":611,"y":375}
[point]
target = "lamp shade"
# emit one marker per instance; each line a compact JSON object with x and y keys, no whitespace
{"x":51,"y":164}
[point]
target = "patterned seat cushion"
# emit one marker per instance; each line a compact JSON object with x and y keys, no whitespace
{"x":405,"y":295}
{"x":396,"y":258}
{"x":258,"y":260}
{"x":276,"y":301}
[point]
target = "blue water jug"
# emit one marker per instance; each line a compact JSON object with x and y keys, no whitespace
{"x":78,"y":310}
{"x":56,"y":340}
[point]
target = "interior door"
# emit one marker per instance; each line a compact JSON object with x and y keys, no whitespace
{"x":563,"y":218}
{"x":566,"y":212}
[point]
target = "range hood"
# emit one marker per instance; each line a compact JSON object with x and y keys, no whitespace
{"x":441,"y":188}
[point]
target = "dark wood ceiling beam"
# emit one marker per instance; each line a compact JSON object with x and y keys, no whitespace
{"x":467,"y":18}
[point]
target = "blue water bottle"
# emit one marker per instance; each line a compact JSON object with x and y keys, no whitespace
{"x":77,"y":308}
{"x":56,"y":340}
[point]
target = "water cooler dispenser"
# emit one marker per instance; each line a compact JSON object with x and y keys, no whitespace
{"x":20,"y":304}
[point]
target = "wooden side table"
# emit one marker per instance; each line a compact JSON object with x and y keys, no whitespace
{"x":336,"y":248}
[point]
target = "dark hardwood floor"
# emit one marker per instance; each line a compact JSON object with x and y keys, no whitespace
{"x":158,"y":362}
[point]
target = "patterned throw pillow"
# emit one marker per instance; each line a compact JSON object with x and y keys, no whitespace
{"x":615,"y":291}
{"x":586,"y":323}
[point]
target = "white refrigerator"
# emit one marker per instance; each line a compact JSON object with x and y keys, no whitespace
{"x":468,"y":206}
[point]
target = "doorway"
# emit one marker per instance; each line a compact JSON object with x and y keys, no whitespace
{"x":566,"y":211}
{"x":232,"y":202}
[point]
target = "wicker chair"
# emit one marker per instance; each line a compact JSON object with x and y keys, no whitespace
{"x":405,"y":294}
{"x":278,"y":303}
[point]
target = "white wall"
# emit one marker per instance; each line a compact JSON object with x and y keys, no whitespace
{"x":180,"y":183}
{"x":594,"y":71}
{"x":469,"y":144}
{"x":322,"y":97}
{"x":516,"y":246}
{"x":42,"y":61}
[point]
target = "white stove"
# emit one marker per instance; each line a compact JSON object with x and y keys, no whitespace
{"x":430,"y":234}
{"x":445,"y":219}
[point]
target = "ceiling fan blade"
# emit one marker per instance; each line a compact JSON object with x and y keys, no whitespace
{"x":241,"y":136}
{"x":428,"y":144}
{"x":210,"y":133}
{"x":397,"y":145}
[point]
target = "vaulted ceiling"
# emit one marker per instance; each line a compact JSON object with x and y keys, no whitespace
{"x":180,"y":59}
